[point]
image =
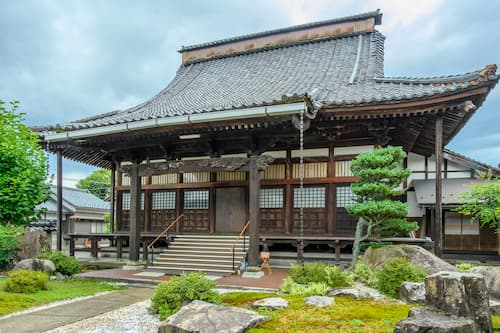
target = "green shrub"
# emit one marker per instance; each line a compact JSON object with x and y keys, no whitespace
{"x":26,"y":281}
{"x":8,"y":243}
{"x":170,"y":295}
{"x":312,"y":289}
{"x":336,"y":277}
{"x":464,"y":267}
{"x":316,"y":272}
{"x":64,"y":264}
{"x":396,"y":272}
{"x":365,"y":245}
{"x":364,"y":273}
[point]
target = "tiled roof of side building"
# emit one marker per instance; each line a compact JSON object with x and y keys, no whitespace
{"x":81,"y":198}
{"x":342,"y":70}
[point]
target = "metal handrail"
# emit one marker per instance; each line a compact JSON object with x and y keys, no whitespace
{"x":237,"y":239}
{"x":163,"y":233}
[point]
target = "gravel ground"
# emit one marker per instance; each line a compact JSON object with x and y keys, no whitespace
{"x":129,"y":319}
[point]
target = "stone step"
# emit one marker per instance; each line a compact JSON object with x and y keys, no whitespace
{"x":199,"y":255}
{"x":195,"y":260}
{"x":209,"y":244}
{"x":179,"y":270}
{"x":197,"y":251}
{"x":198,"y":266}
{"x":202,"y":248}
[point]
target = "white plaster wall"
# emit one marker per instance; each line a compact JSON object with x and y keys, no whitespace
{"x":413,"y":209}
{"x":319,"y":152}
{"x":339,"y":151}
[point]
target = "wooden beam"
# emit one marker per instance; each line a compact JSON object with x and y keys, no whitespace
{"x":331,"y":192}
{"x":135,"y":213}
{"x":254,"y":211}
{"x":59,"y":201}
{"x":211,"y":165}
{"x":288,"y":191}
{"x":439,"y":187}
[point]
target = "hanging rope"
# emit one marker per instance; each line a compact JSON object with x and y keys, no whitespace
{"x":301,"y":176}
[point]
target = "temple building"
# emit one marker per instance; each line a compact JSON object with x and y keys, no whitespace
{"x":222,"y":144}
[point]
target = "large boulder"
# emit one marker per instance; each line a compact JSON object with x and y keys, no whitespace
{"x":32,"y":243}
{"x":203,"y":317}
{"x":36,"y":265}
{"x":460,"y":294}
{"x":421,"y":320}
{"x":319,"y":301}
{"x":412,"y":292}
{"x":491,"y":276}
{"x":377,"y":257}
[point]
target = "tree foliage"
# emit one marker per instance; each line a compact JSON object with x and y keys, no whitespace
{"x":98,"y":183}
{"x":22,"y":168}
{"x":380,"y":179}
{"x":482,"y":202}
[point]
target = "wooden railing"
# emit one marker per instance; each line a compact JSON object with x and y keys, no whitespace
{"x":162,"y":234}
{"x":242,"y":233}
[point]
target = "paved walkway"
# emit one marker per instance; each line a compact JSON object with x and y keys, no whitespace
{"x":272,"y":281}
{"x":57,"y":316}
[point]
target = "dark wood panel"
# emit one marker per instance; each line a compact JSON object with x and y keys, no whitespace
{"x":196,"y":220}
{"x":161,"y":218}
{"x":344,"y":222}
{"x":488,"y":239}
{"x":272,"y":220}
{"x":231,"y":209}
{"x":314,"y":220}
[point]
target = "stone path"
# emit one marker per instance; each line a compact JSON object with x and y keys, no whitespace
{"x":50,"y":318}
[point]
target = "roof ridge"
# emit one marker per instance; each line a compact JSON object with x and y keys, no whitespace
{"x":375,"y":14}
{"x":280,"y":46}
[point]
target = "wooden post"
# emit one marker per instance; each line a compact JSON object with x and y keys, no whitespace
{"x":331,"y":192}
{"x":253,"y":209}
{"x":135,"y":212}
{"x":59,"y":200}
{"x":288,"y":192}
{"x":438,"y":221}
{"x":112,"y":199}
{"x":212,"y":203}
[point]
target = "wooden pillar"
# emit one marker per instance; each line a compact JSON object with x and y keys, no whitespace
{"x":112,"y":202}
{"x":211,"y":203}
{"x":288,"y":192}
{"x":331,"y":193}
{"x":59,"y":201}
{"x":179,"y":203}
{"x":253,"y":209}
{"x":438,"y":221}
{"x":135,"y":212}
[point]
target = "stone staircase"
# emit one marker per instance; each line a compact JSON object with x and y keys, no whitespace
{"x":211,"y":254}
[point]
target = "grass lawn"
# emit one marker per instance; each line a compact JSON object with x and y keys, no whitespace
{"x":57,"y":290}
{"x":346,"y":315}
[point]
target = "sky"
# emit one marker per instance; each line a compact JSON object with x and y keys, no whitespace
{"x":69,"y":59}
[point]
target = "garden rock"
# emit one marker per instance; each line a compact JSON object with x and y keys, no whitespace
{"x":36,"y":265}
{"x":32,"y":243}
{"x":412,"y":292}
{"x":377,"y":257}
{"x":319,"y":301}
{"x":271,"y":303}
{"x":203,"y":317}
{"x":357,"y":291}
{"x":461,"y":295}
{"x":491,"y":276}
{"x":421,"y":320}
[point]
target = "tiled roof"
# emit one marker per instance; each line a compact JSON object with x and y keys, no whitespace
{"x":81,"y":198}
{"x":343,"y":70}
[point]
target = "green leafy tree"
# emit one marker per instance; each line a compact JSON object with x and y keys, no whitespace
{"x":482,"y":202}
{"x":22,"y":168}
{"x":98,"y":183}
{"x":380,"y":180}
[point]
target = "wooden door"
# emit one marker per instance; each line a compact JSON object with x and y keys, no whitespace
{"x":231,"y":209}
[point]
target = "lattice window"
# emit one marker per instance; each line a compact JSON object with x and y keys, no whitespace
{"x":197,"y":199}
{"x":457,"y":224}
{"x":271,"y":198}
{"x":343,"y":169}
{"x":312,"y":197}
{"x":345,"y":197}
{"x":163,"y":200}
{"x":126,"y":201}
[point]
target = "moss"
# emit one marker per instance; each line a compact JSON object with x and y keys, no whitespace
{"x":347,"y":315}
